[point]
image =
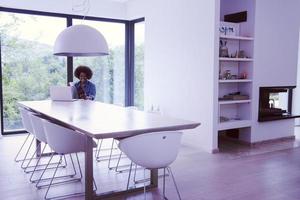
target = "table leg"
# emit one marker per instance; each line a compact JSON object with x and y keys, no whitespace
{"x":89,"y":193}
{"x":154,"y":177}
{"x":38,"y":146}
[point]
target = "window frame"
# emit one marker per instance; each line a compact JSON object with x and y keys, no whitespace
{"x":129,"y":54}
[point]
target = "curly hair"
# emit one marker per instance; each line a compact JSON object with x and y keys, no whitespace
{"x":84,"y":69}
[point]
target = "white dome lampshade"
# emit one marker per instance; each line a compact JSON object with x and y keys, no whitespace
{"x":80,"y":40}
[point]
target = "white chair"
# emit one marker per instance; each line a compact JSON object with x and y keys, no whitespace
{"x":39,"y":132}
{"x":26,"y":139}
{"x":25,"y":115}
{"x":64,"y":141}
{"x":28,"y":127}
{"x":155,"y":150}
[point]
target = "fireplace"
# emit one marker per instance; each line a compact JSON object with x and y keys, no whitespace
{"x":275,"y":103}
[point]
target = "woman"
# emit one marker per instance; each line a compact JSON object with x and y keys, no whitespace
{"x":85,"y":88}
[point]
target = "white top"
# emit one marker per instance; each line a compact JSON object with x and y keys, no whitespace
{"x":100,"y":120}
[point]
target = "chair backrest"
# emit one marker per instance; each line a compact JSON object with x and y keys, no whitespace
{"x":26,"y":120}
{"x":37,"y":127}
{"x":63,"y":140}
{"x":152,"y":150}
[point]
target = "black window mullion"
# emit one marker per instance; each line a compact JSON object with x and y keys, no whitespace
{"x":69,"y":59}
{"x":129,"y":64}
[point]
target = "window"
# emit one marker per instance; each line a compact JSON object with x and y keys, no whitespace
{"x":28,"y":65}
{"x":108,"y":71}
{"x":139,"y":37}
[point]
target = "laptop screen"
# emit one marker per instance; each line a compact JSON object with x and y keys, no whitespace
{"x":62,"y":93}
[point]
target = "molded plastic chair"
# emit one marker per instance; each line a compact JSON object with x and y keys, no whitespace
{"x":155,"y":150}
{"x":39,"y":132}
{"x":39,"y":135}
{"x":64,"y":141}
{"x":28,"y":127}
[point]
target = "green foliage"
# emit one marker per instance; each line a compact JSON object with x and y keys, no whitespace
{"x":139,"y":77}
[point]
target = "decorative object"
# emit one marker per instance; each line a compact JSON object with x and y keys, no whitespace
{"x":80,"y":40}
{"x":236,"y":17}
{"x":228,"y":28}
{"x":224,"y":119}
{"x":227,"y":75}
{"x":223,"y":51}
{"x":234,"y":96}
{"x":244,"y":75}
{"x":241,"y":54}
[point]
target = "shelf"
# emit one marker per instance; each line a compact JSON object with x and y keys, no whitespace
{"x":231,"y":37}
{"x":236,"y":81}
{"x":223,"y":102}
{"x":234,"y":124}
{"x":280,"y":117}
{"x":236,"y":59}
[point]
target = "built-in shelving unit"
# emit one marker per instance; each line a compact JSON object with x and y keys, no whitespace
{"x":236,"y":58}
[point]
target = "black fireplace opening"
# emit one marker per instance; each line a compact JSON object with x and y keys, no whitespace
{"x":275,"y":103}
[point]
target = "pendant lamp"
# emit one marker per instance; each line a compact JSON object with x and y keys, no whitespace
{"x":80,"y":40}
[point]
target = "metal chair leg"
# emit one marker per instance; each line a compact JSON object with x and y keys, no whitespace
{"x":145,"y":197}
{"x":27,"y":153}
{"x":134,"y":175}
{"x":39,"y":157}
{"x":67,"y":195}
{"x":111,"y":150}
{"x":38,"y":181}
{"x":53,"y":177}
{"x":98,"y":149}
{"x":164,"y":184}
{"x":79,"y":165}
{"x":170,"y":172}
{"x":116,"y":169}
{"x":16,"y":158}
{"x":35,"y":152}
{"x":96,"y":188}
{"x":36,"y":165}
{"x":64,"y":176}
{"x":129,"y":176}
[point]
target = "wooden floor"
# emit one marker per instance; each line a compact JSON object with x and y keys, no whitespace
{"x":268,"y":172}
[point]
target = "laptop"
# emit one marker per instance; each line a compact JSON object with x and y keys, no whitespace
{"x":62,"y":93}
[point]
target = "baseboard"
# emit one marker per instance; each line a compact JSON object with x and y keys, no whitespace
{"x":253,"y":144}
{"x":213,"y":151}
{"x":282,"y":139}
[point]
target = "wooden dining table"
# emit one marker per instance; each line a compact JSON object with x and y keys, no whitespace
{"x":100,"y":120}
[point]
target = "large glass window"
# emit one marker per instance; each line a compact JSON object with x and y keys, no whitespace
{"x":139,"y":38}
{"x":109,"y":71}
{"x":28,"y":65}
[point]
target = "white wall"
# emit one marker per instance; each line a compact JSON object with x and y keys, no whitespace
{"x":275,"y":54}
{"x":296,"y":96}
{"x":98,"y":8}
{"x":180,"y":61}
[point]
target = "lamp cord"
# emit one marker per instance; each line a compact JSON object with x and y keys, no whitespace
{"x":83,"y":7}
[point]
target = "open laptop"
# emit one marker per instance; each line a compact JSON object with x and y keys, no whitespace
{"x":62,"y":93}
